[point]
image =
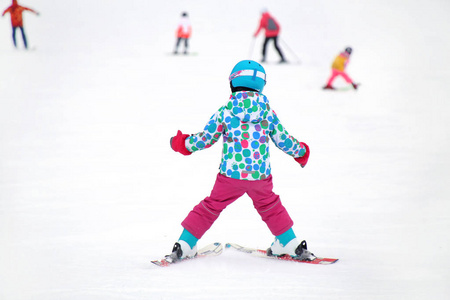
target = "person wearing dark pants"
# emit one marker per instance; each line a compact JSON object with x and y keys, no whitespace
{"x":275,"y":41}
{"x":24,"y":37}
{"x":15,"y":10}
{"x":186,"y":44}
{"x":184,"y":31}
{"x":272,"y":30}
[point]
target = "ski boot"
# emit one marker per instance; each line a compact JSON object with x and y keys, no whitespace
{"x":181,"y":250}
{"x":293,"y":249}
{"x":328,"y":87}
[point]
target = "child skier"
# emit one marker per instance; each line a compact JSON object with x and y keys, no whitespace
{"x":184,"y":31}
{"x":338,"y":69}
{"x":15,"y":10}
{"x":246,"y":122}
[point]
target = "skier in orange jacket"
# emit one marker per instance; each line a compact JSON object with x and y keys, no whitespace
{"x":15,"y":10}
{"x":338,"y":69}
{"x":184,"y":31}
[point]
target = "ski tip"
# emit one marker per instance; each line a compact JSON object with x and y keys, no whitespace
{"x":335,"y":261}
{"x":327,"y":261}
{"x":160,"y":263}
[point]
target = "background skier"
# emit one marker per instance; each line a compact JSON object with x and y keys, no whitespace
{"x":338,"y":69}
{"x":15,"y":10}
{"x":272,"y":30}
{"x":184,"y":31}
{"x":247,"y":123}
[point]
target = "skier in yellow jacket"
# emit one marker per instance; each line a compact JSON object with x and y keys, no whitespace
{"x":338,"y":69}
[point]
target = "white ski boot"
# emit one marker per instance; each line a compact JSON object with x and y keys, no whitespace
{"x":293,"y":248}
{"x":181,"y":250}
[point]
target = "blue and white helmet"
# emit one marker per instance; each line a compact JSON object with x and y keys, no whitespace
{"x":250,"y":74}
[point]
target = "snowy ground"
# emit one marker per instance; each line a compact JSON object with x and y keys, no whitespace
{"x":90,"y":190}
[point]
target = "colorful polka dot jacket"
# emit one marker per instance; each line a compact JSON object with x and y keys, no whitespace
{"x":246,"y":122}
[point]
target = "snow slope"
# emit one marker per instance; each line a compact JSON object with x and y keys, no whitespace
{"x":90,"y":190}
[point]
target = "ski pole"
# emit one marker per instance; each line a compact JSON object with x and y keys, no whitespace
{"x":252,"y":45}
{"x":290,"y":50}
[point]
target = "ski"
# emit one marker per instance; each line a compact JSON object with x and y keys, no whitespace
{"x":263,"y":253}
{"x":342,"y":88}
{"x":182,"y":54}
{"x":213,"y":249}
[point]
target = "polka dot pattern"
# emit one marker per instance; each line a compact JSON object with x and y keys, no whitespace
{"x":245,"y":123}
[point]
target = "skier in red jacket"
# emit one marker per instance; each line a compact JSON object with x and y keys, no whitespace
{"x":15,"y":10}
{"x":184,"y":31}
{"x":272,"y":29}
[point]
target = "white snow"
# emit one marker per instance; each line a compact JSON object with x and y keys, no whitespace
{"x":90,"y":190}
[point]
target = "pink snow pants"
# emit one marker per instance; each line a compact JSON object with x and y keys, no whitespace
{"x":226,"y":190}
{"x":335,"y":73}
